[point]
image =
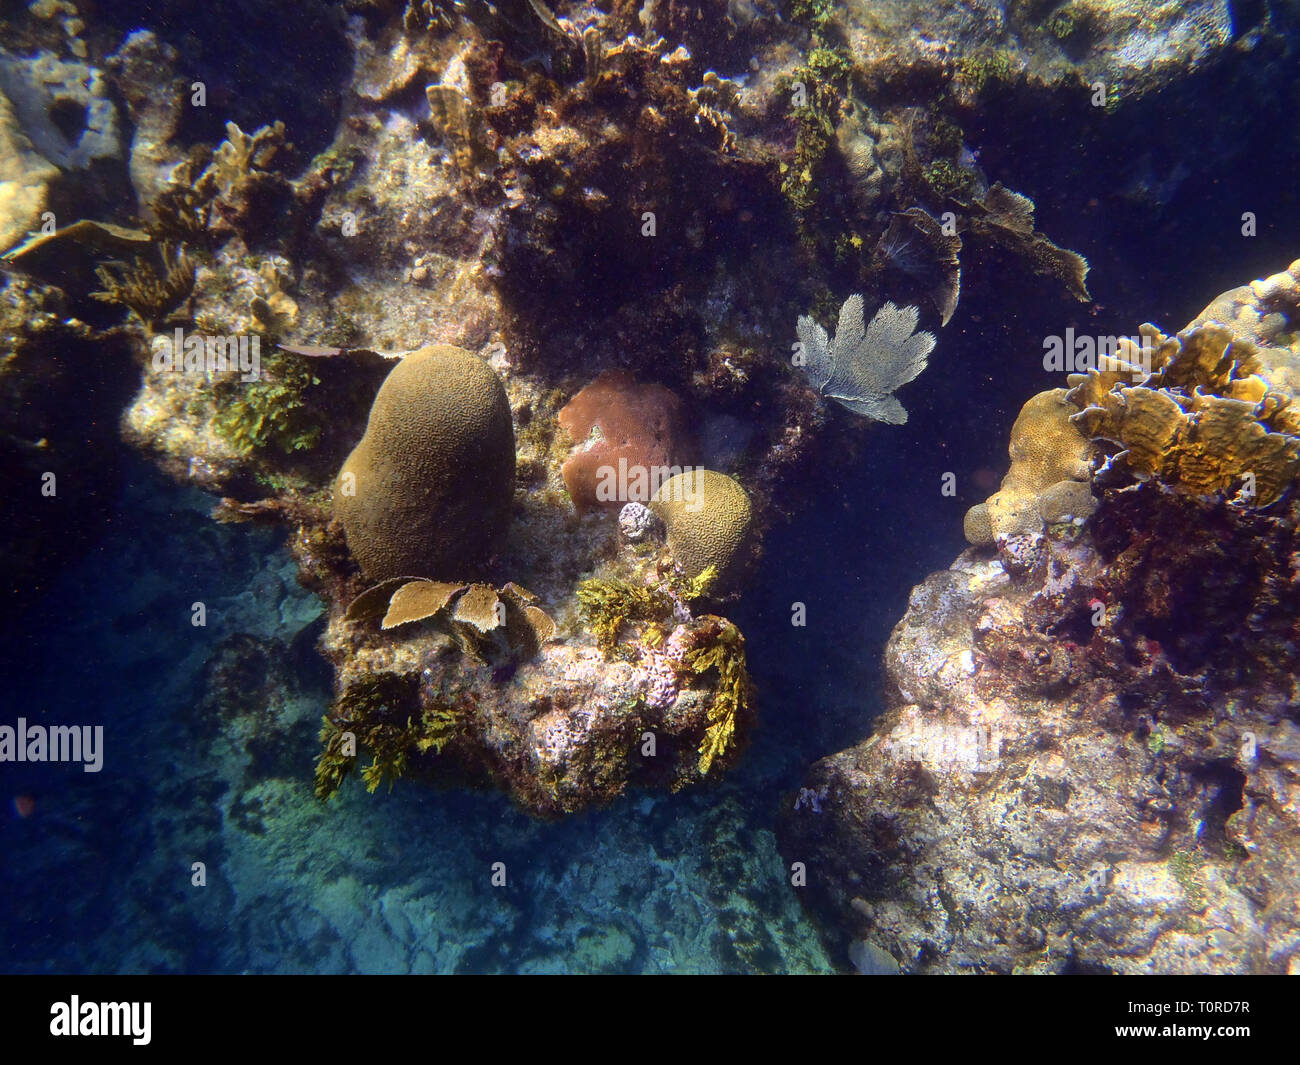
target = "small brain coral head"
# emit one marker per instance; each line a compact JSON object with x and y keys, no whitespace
{"x":625,"y":433}
{"x":709,"y":521}
{"x":427,"y":492}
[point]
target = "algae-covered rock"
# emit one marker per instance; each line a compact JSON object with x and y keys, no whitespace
{"x":427,"y":491}
{"x":708,"y":517}
{"x":64,"y":108}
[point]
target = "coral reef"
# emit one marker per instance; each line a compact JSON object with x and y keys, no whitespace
{"x":573,"y":198}
{"x":426,"y":493}
{"x":1124,"y":45}
{"x":1087,"y":763}
{"x":660,"y":701}
{"x":1215,"y":413}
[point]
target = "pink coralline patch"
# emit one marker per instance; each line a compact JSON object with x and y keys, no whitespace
{"x":620,"y":424}
{"x":662,"y":668}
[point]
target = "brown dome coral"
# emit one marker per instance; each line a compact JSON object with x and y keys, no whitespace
{"x":618,"y":423}
{"x":708,"y":517}
{"x":1046,"y":449}
{"x":427,"y":491}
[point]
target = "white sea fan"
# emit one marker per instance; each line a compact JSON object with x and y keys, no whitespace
{"x":864,"y":364}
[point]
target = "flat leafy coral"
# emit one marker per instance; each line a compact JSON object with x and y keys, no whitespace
{"x":481,"y":620}
{"x":1205,"y":420}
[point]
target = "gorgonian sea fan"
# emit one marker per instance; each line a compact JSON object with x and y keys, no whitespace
{"x":862,"y":367}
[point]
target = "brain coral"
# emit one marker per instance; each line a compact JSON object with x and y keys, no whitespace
{"x":427,"y":491}
{"x":614,"y":420}
{"x":1045,"y":450}
{"x":708,"y":517}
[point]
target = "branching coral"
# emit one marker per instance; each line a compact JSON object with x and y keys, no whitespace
{"x":239,"y":156}
{"x":180,"y":212}
{"x":1206,"y":412}
{"x":244,"y":194}
{"x":139,"y":287}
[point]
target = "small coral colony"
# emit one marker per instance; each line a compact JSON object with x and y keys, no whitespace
{"x":528,"y":359}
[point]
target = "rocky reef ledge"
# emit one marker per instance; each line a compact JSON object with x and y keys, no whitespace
{"x":1090,"y":759}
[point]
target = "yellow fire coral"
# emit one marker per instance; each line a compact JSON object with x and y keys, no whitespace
{"x":1046,"y":449}
{"x":1211,"y":410}
{"x":1206,"y":419}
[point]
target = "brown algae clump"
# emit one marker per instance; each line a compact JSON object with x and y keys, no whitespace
{"x":427,"y":491}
